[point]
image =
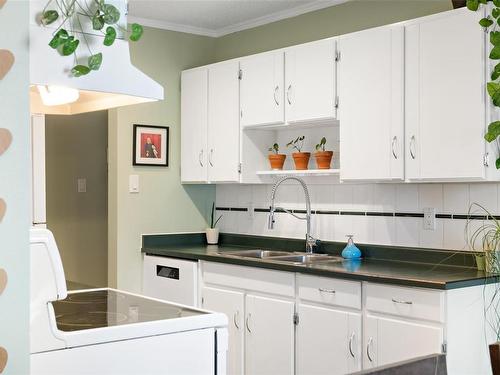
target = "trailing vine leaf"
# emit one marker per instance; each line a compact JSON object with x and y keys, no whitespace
{"x":485,"y":22}
{"x":483,"y":1}
{"x":496,"y":3}
{"x":472,"y":5}
{"x":111,"y":14}
{"x":493,"y":131}
{"x":495,"y":53}
{"x":110,"y":37}
{"x":70,"y":46}
{"x":80,"y":70}
{"x":495,"y":12}
{"x":495,"y":38}
{"x":137,"y":31}
{"x":97,"y":22}
{"x":95,"y":61}
{"x":59,"y":39}
{"x":494,"y":92}
{"x":49,"y":16}
{"x":497,"y":163}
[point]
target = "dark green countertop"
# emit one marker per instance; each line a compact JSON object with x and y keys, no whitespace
{"x":418,"y":274}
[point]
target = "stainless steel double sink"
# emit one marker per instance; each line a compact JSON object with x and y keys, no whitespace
{"x":282,"y":256}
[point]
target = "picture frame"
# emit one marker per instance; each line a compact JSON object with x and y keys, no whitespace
{"x":151,"y":145}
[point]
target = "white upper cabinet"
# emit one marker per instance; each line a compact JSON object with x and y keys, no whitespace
{"x":262,"y":94}
{"x":371,"y":104}
{"x":223,"y":122}
{"x":194,"y":122}
{"x":310,"y":82}
{"x":445,"y":97}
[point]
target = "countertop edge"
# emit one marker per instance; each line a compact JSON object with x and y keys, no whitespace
{"x":182,"y":254}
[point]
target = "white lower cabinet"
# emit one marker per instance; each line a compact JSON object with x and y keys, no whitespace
{"x":291,"y":323}
{"x":231,"y":303}
{"x":328,"y":341}
{"x":269,"y":335}
{"x":388,"y":340}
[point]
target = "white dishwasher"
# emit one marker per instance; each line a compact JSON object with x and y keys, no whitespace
{"x":170,"y":279}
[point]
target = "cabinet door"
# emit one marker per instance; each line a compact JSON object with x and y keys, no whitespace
{"x":269,"y":336}
{"x":223,"y":122}
{"x":370,"y":90}
{"x":310,"y":82}
{"x":390,"y":340}
{"x":230,"y":303}
{"x":262,"y":83}
{"x":445,"y":98}
{"x":328,"y":341}
{"x":194,"y":112}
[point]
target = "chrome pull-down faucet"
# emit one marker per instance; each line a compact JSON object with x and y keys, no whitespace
{"x":310,"y":241}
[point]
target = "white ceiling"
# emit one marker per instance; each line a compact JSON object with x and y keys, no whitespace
{"x":218,"y":17}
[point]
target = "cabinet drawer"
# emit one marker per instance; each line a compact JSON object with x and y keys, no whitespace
{"x":329,"y":291}
{"x":404,"y":301}
{"x":249,"y":278}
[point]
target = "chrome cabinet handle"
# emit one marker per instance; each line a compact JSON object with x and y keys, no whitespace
{"x":325,"y":290}
{"x":288,"y":95}
{"x":394,"y":142}
{"x":235,"y":319}
{"x":275,"y":93}
{"x":370,"y":341}
{"x":210,"y":157}
{"x":247,"y":324}
{"x":412,"y":145}
{"x":200,"y":156}
{"x":351,"y":339}
{"x":402,"y":302}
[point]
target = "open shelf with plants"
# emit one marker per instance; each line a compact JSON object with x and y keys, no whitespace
{"x":258,"y":144}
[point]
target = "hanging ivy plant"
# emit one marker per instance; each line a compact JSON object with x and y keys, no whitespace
{"x":103,"y":18}
{"x":490,"y":24}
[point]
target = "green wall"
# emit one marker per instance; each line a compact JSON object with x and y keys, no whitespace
{"x":337,"y":20}
{"x":163,"y":204}
{"x":15,"y":189}
{"x":76,"y":148}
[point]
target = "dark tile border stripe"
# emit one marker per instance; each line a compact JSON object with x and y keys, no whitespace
{"x":367,"y":213}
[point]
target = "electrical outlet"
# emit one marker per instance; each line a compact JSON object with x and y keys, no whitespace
{"x":429,"y":218}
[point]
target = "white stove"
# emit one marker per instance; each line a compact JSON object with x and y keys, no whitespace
{"x":106,"y":331}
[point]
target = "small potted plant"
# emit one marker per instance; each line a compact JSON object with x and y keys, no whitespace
{"x":323,"y":158}
{"x":301,"y":159}
{"x":484,"y":237}
{"x":275,"y":158}
{"x":213,"y":232}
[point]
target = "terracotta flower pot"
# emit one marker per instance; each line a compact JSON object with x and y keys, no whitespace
{"x":301,"y":160}
{"x":277,"y":161}
{"x":323,"y":159}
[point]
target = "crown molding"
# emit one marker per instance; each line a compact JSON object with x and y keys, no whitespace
{"x":171,"y":26}
{"x":278,"y":16}
{"x":259,"y":21}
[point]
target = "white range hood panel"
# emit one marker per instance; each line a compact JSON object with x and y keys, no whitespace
{"x":115,"y":84}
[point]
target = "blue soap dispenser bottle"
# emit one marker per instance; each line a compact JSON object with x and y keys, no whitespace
{"x":351,"y":251}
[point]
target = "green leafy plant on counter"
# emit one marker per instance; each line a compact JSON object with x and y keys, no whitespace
{"x":297,"y":143}
{"x":72,"y":14}
{"x":213,"y":221}
{"x":274,"y":149}
{"x":491,"y":23}
{"x":321,"y":145}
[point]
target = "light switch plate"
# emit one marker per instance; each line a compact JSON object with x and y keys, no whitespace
{"x":429,"y":218}
{"x":82,"y":185}
{"x":133,"y":183}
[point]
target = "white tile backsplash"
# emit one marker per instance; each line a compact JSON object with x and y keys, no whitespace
{"x":407,"y":198}
{"x":486,"y":195}
{"x":456,"y":198}
{"x":446,"y":198}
